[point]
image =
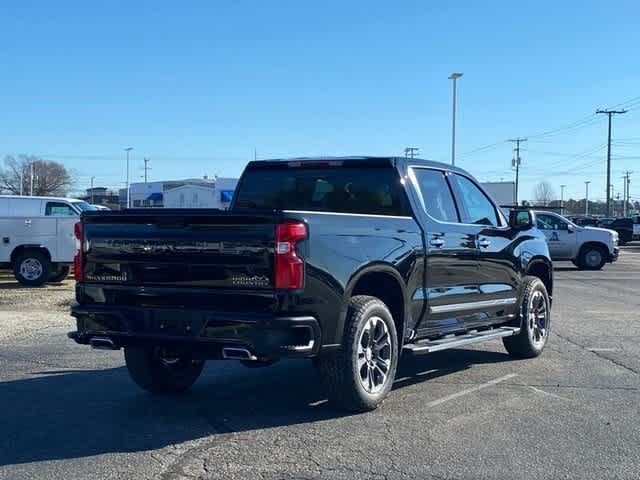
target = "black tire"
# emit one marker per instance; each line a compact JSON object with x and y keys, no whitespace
{"x":340,"y":373}
{"x":153,"y":371}
{"x":31,"y":268}
{"x":530,"y":342}
{"x":592,"y":257}
{"x":59,"y":274}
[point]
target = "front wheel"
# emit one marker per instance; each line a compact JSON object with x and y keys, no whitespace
{"x":592,"y":257}
{"x":535,"y":321}
{"x":359,"y":377}
{"x":159,"y":371}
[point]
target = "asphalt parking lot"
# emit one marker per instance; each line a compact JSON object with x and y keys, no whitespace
{"x":70,"y":412}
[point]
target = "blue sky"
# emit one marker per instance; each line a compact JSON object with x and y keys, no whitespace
{"x":196,"y":86}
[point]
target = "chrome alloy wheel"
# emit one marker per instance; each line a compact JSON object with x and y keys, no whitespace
{"x":31,"y":269}
{"x":374,"y":355}
{"x":538,"y":319}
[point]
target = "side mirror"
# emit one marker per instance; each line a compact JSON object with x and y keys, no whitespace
{"x":522,"y":219}
{"x":570,"y":228}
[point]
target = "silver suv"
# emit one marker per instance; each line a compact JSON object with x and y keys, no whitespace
{"x":589,"y":248}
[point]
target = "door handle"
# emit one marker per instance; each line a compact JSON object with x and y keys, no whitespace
{"x":27,"y":222}
{"x":436,"y":242}
{"x":483,"y":243}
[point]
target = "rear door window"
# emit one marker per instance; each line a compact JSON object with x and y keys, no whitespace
{"x":475,"y":206}
{"x":58,"y":209}
{"x":436,"y":195}
{"x":365,"y":190}
{"x":550,"y":222}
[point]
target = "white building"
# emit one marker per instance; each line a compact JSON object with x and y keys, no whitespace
{"x":189,"y":193}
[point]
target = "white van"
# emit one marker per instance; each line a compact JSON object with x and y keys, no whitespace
{"x":36,"y":236}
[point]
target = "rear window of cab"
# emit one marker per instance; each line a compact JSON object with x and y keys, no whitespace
{"x":373,"y":190}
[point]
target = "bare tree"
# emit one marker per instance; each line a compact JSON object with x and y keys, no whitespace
{"x":543,"y":193}
{"x":49,"y":178}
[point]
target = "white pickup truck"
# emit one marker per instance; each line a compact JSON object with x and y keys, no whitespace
{"x":36,"y":236}
{"x":636,"y":227}
{"x":589,"y":248}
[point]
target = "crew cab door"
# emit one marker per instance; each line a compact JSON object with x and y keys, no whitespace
{"x":498,"y":277}
{"x":560,"y":236}
{"x":452,"y":274}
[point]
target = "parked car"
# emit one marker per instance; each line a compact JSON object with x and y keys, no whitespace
{"x":37,"y":239}
{"x":624,"y":228}
{"x":584,"y":221}
{"x":589,"y":248}
{"x":348,"y":261}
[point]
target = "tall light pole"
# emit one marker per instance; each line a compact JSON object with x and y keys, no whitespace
{"x":586,"y":198}
{"x":454,"y":77}
{"x":562,"y":187}
{"x":128,"y":149}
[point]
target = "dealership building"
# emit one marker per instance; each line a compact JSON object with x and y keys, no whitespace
{"x":205,"y":192}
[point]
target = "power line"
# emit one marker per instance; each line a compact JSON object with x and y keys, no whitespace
{"x":410,"y":152}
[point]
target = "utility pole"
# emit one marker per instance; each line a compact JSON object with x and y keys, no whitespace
{"x":515,"y":163}
{"x":31,"y":190}
{"x":92,"y":179}
{"x":146,"y":168}
{"x":586,"y":198}
{"x":625,"y":191}
{"x":609,"y":114}
{"x":410,"y":152}
{"x":562,"y":187}
{"x":454,"y":77}
{"x":128,"y":149}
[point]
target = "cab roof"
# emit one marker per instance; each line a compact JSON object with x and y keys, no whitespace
{"x":356,"y":161}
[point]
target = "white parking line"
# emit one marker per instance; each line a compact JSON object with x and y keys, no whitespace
{"x":470,"y":390}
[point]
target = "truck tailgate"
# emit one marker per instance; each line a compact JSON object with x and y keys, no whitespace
{"x":207,"y":249}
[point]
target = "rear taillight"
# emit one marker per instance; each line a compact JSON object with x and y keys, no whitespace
{"x":289,"y":268}
{"x":78,"y":260}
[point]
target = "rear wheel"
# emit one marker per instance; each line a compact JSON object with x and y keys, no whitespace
{"x":31,"y":268}
{"x":535,"y":321}
{"x":159,"y":371}
{"x":360,"y":376}
{"x":592,"y":257}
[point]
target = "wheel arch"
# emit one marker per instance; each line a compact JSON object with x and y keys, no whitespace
{"x":383,"y":281}
{"x":27,"y":247}
{"x":593,"y":243}
{"x":543,"y":269}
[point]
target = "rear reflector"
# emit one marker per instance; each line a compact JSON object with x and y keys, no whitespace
{"x":289,"y":268}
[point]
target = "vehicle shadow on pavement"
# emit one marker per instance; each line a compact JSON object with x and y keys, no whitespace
{"x":565,"y":269}
{"x":65,"y":414}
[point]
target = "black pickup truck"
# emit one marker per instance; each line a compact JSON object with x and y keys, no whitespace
{"x":348,"y":261}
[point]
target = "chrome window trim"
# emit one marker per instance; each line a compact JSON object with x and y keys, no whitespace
{"x":414,"y":181}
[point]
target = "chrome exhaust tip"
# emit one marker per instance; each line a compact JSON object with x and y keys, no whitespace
{"x":237,"y":353}
{"x":103,"y":343}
